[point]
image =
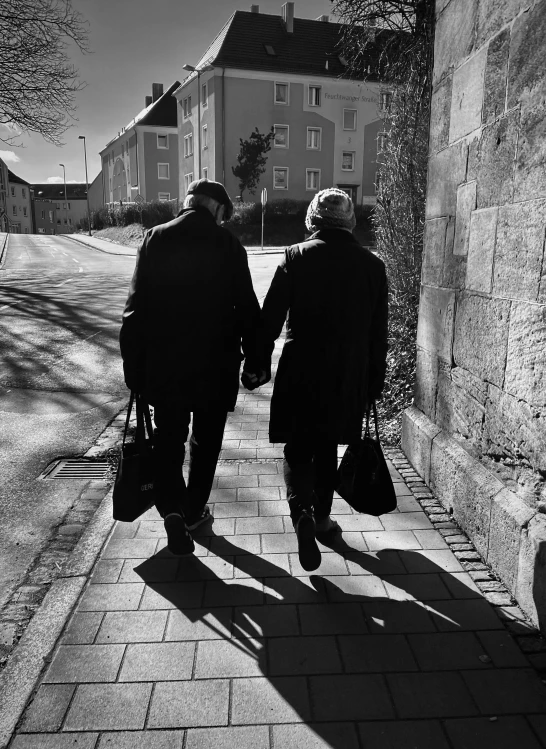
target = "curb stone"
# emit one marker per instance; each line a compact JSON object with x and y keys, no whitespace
{"x":3,"y":248}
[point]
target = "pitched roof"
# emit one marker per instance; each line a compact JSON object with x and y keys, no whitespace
{"x":55,"y":190}
{"x":314,"y":47}
{"x":14,"y":178}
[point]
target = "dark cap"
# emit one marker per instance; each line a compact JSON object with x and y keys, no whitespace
{"x":214,"y":190}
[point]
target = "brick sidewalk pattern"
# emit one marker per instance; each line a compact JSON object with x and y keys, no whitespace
{"x":389,"y":643}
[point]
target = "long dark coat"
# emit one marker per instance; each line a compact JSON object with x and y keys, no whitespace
{"x":190,"y":308}
{"x":334,"y":293}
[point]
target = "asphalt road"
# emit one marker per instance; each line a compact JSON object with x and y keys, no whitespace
{"x":60,"y":377}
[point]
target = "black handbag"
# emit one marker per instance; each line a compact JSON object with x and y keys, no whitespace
{"x":363,"y":478}
{"x":134,"y":485}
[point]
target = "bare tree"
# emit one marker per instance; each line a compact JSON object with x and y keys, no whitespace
{"x":392,"y":41}
{"x":38,"y":83}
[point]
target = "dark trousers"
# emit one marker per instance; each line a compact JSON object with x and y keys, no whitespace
{"x":171,"y":432}
{"x":310,"y":471}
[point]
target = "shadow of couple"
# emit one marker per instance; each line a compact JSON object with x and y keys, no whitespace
{"x":323,"y":642}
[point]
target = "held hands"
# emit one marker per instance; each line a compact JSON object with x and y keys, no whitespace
{"x":252,"y":380}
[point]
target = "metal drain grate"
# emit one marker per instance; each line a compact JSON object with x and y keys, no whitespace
{"x":77,"y":468}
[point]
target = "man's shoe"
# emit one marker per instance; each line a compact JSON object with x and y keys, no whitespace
{"x":308,"y":551}
{"x":327,"y":529}
{"x":203,"y":517}
{"x":179,"y":540}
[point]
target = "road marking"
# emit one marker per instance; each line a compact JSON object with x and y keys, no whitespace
{"x":63,"y":283}
{"x":80,"y":270}
{"x":74,"y":259}
{"x":14,"y":304}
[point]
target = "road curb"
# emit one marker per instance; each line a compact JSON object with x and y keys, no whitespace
{"x":21,"y":675}
{"x":98,"y":249}
{"x":3,"y":248}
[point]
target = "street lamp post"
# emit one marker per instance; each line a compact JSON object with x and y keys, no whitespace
{"x":82,"y":137}
{"x":191,"y":69}
{"x":65,"y":198}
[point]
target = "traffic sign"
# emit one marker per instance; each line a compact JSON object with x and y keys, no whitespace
{"x":264,"y":196}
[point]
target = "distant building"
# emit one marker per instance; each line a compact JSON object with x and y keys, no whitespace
{"x":44,"y":215}
{"x":287,"y":73}
{"x":67,"y":214}
{"x":141,"y":162}
{"x":19,"y":209}
{"x":4,"y":187}
{"x":96,"y":193}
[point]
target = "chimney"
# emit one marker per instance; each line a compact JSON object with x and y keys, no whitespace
{"x":325,"y":18}
{"x":254,"y":8}
{"x":147,"y":101}
{"x":157,"y":91}
{"x":288,"y":17}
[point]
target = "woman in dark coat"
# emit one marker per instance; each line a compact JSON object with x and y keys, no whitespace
{"x":333,"y":294}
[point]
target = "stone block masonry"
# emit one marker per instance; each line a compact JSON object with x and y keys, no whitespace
{"x":477,"y":431}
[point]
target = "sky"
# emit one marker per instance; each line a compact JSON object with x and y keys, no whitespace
{"x":133,"y":44}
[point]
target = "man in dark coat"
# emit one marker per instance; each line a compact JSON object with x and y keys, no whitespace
{"x":190,"y":309}
{"x":334,"y":293}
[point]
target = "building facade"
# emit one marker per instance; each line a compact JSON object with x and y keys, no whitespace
{"x":60,"y":214}
{"x":265,"y":71}
{"x":4,"y":187}
{"x":96,"y":193}
{"x":19,"y":209}
{"x":141,"y":162}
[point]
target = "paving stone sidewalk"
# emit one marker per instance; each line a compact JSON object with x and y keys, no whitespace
{"x":390,"y":643}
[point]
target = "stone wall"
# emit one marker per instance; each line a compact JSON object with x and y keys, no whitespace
{"x":477,"y":430}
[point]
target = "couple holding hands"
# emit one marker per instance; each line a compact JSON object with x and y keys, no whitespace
{"x":190,"y":312}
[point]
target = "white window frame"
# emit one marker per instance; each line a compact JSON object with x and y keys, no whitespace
{"x":205,"y":172}
{"x":12,"y":190}
{"x":285,"y":169}
{"x":317,"y":87}
{"x":24,"y":210}
{"x":353,"y":154}
{"x":205,"y":98}
{"x":160,"y":164}
{"x":315,"y":171}
{"x":188,"y":179}
{"x":350,"y":129}
{"x":14,"y":210}
{"x":319,"y":147}
{"x":382,"y":138}
{"x":161,"y":196}
{"x":186,"y":105}
{"x":287,"y":128}
{"x":281,"y":103}
{"x":166,"y":136}
{"x":188,"y":145}
{"x":385,"y":99}
{"x":23,"y":192}
{"x":376,"y":181}
{"x":204,"y":137}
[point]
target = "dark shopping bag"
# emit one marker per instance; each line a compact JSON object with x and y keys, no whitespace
{"x":363,"y":476}
{"x":134,"y":485}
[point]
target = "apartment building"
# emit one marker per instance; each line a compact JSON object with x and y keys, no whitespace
{"x":19,"y":209}
{"x":287,"y":73}
{"x":4,"y":225}
{"x":141,"y":162}
{"x":55,"y":214}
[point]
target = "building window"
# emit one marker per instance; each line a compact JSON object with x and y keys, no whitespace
{"x":348,"y":161}
{"x":349,"y":119}
{"x":24,"y":210}
{"x":51,"y":216}
{"x":69,"y":206}
{"x":280,"y":178}
{"x":14,"y":210}
{"x":314,"y":96}
{"x":204,"y":95}
{"x":162,"y":141}
{"x":205,"y":173}
{"x":12,"y":191}
{"x":163,"y":196}
{"x":188,"y":179}
{"x":59,"y":221}
{"x":43,"y":215}
{"x":187,"y":107}
{"x":70,"y":221}
{"x":58,"y":206}
{"x":385,"y":99}
{"x":188,"y":144}
{"x":314,"y":138}
{"x":24,"y":192}
{"x":381,"y":142}
{"x":312,"y":179}
{"x":282,"y":93}
{"x":163,"y":171}
{"x":377,"y":181}
{"x":41,"y":230}
{"x":205,"y":137}
{"x":280,"y":138}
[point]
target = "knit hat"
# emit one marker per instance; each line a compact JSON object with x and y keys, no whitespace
{"x":330,"y":209}
{"x":214,"y":190}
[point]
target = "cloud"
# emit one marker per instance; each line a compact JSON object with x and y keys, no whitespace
{"x":60,"y":181}
{"x":10,"y":157}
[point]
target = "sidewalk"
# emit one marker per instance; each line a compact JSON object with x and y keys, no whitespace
{"x":389,"y":644}
{"x":112,"y":248}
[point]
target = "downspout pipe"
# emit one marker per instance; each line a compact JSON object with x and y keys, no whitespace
{"x":223,"y":126}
